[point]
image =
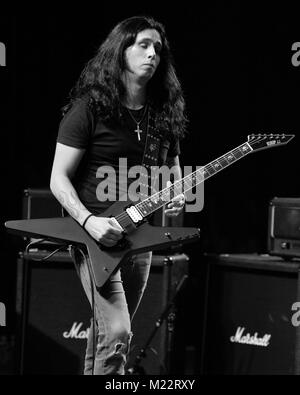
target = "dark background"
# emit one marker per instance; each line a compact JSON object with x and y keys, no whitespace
{"x":234,"y":62}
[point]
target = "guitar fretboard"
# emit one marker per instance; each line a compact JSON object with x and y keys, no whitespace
{"x":159,"y":199}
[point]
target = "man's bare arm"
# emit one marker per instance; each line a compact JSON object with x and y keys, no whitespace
{"x":64,"y":167}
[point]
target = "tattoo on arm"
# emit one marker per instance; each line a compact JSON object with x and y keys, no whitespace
{"x":71,"y":203}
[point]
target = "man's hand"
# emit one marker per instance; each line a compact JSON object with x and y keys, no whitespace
{"x":176,"y":206}
{"x":104,"y":230}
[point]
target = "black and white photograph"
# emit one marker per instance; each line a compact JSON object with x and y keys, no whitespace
{"x":150,"y":194}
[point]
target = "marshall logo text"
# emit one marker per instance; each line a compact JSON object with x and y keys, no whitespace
{"x":253,"y":340}
{"x":76,"y":332}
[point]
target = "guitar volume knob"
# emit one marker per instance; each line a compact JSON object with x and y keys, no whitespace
{"x":168,"y":235}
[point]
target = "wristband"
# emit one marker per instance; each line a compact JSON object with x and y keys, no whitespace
{"x":87,"y":218}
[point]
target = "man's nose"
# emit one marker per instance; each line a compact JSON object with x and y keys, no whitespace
{"x":151,"y":51}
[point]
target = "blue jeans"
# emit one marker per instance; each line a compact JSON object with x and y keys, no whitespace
{"x":115,"y":305}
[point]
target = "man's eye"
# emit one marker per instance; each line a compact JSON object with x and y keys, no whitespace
{"x":158,"y":49}
{"x":143,"y":45}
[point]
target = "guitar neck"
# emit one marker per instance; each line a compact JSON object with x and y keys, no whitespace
{"x":159,"y":199}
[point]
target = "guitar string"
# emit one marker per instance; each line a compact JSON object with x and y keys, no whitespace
{"x":192,"y":175}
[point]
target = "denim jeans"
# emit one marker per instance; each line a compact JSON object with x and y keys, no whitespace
{"x":115,"y":305}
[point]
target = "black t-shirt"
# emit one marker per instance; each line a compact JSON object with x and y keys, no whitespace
{"x":112,"y":148}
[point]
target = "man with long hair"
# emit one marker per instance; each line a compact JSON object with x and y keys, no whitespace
{"x":128,"y":90}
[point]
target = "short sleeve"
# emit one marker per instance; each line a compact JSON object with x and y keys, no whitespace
{"x":174,"y":149}
{"x":170,"y":148}
{"x":76,"y":128}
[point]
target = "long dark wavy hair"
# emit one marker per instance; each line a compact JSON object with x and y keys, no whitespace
{"x":101,"y":79}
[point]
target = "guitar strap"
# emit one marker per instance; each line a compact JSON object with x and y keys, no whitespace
{"x":149,"y":170}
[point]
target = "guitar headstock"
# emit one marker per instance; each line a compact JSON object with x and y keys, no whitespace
{"x":263,"y":141}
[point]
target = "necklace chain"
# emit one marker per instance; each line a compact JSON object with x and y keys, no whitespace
{"x":143,"y":116}
{"x":138,"y":130}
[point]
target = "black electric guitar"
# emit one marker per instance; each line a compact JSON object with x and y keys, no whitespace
{"x":139,"y":235}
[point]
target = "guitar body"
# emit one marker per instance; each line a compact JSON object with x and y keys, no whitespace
{"x":104,"y":260}
{"x":139,"y":235}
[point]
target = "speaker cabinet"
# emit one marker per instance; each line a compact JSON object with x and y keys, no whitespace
{"x":40,"y":203}
{"x":248,"y":327}
{"x":54,"y":315}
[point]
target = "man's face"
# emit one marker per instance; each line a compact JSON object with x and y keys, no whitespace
{"x":143,"y":56}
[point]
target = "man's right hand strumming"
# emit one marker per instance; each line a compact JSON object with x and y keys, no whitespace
{"x":104,"y":230}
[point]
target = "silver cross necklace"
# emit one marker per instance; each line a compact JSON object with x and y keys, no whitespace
{"x":138,"y":130}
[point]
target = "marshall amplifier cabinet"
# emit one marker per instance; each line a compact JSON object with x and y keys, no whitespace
{"x":252,"y":324}
{"x":40,"y":203}
{"x":284,"y":227}
{"x":53,"y":315}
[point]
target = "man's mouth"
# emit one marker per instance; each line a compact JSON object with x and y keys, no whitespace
{"x":149,"y":65}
